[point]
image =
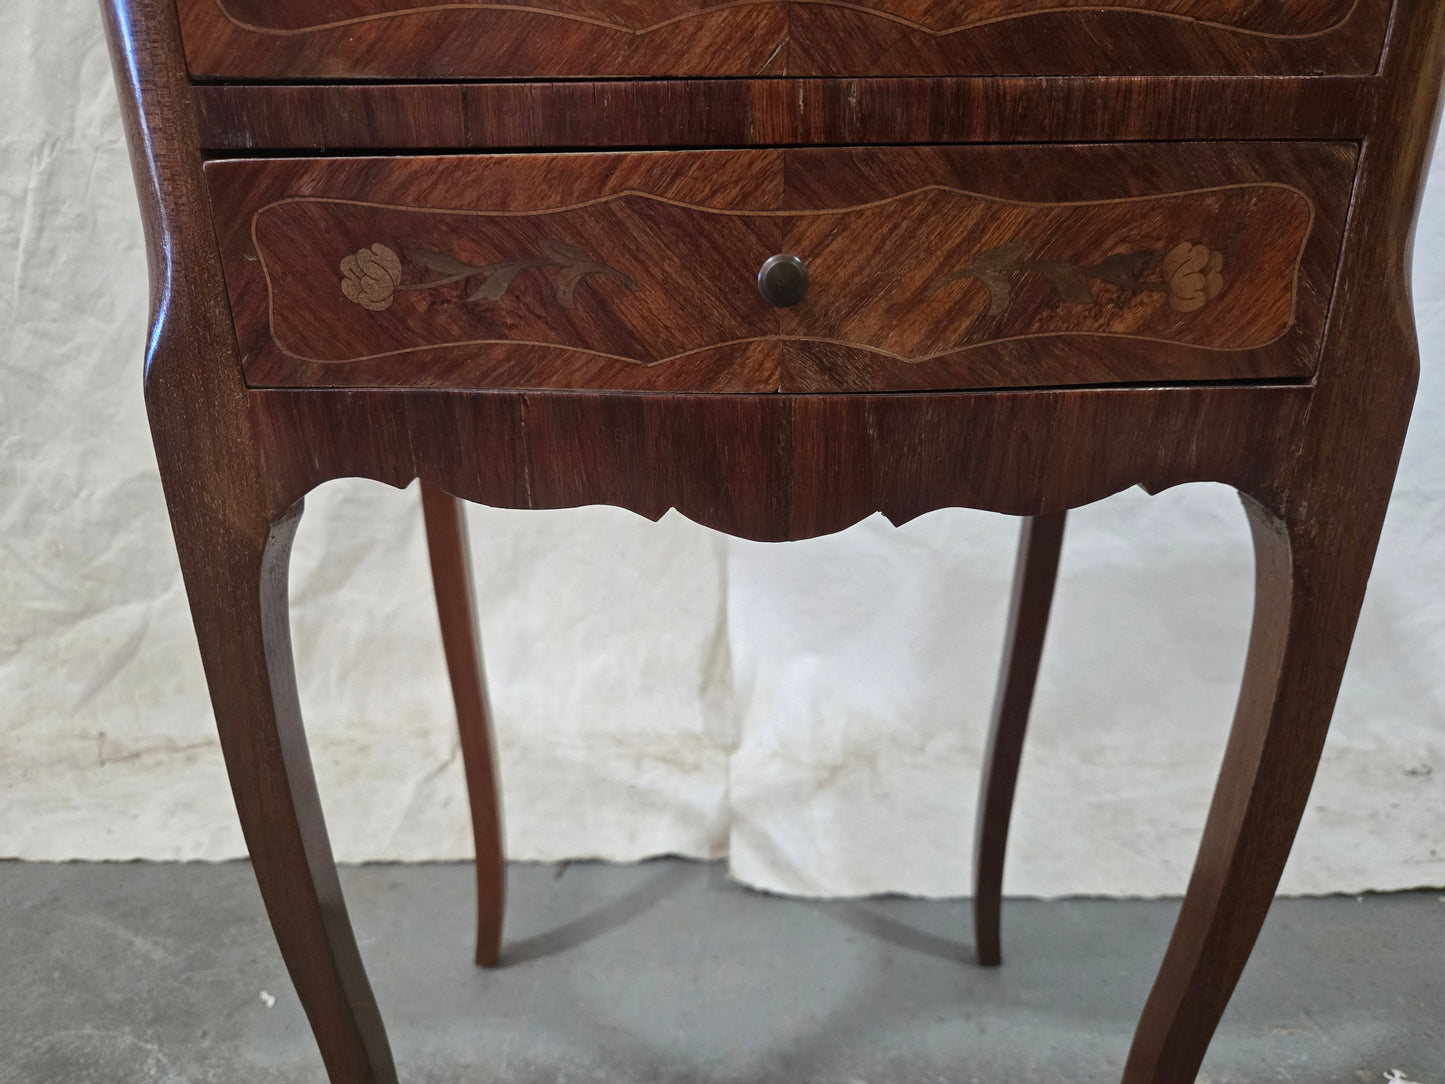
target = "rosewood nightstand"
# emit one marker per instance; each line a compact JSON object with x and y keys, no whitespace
{"x":780,"y":264}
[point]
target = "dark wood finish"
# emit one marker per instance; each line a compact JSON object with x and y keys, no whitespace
{"x":1314,"y":459}
{"x":1040,"y":543}
{"x":234,"y":547}
{"x":770,"y":112}
{"x":930,"y":268}
{"x":775,"y":468}
{"x":1314,"y":544}
{"x":451,"y":569}
{"x":407,"y":39}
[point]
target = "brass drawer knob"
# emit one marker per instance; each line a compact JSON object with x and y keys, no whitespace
{"x":783,"y":280}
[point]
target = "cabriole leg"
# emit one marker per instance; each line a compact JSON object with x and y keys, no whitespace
{"x":1310,"y":574}
{"x":446,"y":536}
{"x":1033,"y":593}
{"x":236,"y":580}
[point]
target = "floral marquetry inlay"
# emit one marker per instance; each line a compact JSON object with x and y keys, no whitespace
{"x":1192,"y":275}
{"x":372,"y":276}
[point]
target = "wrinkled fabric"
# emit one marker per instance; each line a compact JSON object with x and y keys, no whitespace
{"x":816,"y":711}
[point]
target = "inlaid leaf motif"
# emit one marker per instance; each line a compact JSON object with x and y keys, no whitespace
{"x":1000,"y":293}
{"x":1123,"y":267}
{"x":567,"y":280}
{"x":984,"y":269}
{"x":440,"y":262}
{"x":1001,"y":256}
{"x":564,"y":253}
{"x":576,"y":265}
{"x":1068,"y":283}
{"x":496,"y":285}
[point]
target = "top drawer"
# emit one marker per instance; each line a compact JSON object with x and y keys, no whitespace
{"x":541,"y":39}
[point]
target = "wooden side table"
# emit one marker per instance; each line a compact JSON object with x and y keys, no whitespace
{"x":780,"y":264}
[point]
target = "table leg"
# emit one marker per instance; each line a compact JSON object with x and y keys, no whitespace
{"x":1040,"y":542}
{"x":1311,"y":572}
{"x":236,"y":580}
{"x":446,"y":536}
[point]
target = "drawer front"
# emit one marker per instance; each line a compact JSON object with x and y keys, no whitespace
{"x":929,"y":268}
{"x":423,"y":39}
{"x":1086,"y":37}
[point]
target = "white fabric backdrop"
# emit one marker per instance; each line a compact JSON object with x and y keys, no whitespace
{"x":815,"y":710}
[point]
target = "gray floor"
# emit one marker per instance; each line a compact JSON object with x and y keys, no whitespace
{"x":667,"y":972}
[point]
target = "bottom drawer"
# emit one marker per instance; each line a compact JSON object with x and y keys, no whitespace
{"x":927,"y":267}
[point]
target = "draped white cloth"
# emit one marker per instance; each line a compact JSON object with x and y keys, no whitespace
{"x":816,"y":711}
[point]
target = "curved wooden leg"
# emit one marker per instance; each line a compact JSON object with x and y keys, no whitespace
{"x":446,"y":536}
{"x":1038,"y":567}
{"x":237,"y":590}
{"x":1310,"y":581}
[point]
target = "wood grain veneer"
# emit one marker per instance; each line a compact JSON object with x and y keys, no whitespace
{"x":414,"y":39}
{"x":931,"y":267}
{"x":247,"y":119}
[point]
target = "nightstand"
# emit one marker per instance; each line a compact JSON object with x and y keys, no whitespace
{"x":780,"y":264}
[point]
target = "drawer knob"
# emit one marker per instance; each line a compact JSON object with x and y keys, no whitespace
{"x":783,"y":280}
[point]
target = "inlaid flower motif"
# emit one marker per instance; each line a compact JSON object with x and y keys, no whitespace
{"x":371,"y":276}
{"x":1193,"y":275}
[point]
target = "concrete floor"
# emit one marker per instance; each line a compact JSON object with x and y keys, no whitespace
{"x":666,"y":972}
